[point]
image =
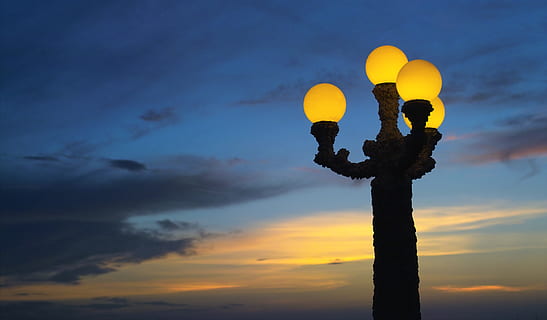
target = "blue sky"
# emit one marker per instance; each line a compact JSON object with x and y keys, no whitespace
{"x":155,"y":158}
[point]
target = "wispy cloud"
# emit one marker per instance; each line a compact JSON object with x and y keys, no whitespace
{"x":129,"y":165}
{"x":518,"y":138}
{"x":41,"y":158}
{"x":465,"y":218}
{"x":152,"y":120}
{"x":484,"y":288}
{"x":162,"y":115}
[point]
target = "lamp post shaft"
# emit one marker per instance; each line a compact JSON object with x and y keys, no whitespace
{"x":396,"y":280}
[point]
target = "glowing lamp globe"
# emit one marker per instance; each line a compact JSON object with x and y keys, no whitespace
{"x":383,"y":64}
{"x":436,"y":116}
{"x":324,"y":102}
{"x":419,"y":79}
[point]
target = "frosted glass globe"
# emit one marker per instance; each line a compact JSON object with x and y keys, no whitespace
{"x":419,"y":79}
{"x":383,"y":64}
{"x":324,"y":102}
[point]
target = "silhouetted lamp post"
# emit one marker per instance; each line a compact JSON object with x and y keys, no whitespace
{"x":394,"y":161}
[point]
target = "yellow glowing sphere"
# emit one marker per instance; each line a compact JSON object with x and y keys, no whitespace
{"x":436,"y":116}
{"x":324,"y":102}
{"x":383,"y":64}
{"x":419,"y":79}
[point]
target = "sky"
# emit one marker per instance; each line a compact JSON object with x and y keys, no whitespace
{"x":155,"y":160}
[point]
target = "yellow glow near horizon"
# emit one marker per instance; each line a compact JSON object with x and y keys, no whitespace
{"x":300,"y":253}
{"x":324,"y":102}
{"x":383,"y":64}
{"x":419,"y":79}
{"x":436,"y":117}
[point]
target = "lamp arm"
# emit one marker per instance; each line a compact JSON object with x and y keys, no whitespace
{"x":325,"y":133}
{"x":422,"y":147}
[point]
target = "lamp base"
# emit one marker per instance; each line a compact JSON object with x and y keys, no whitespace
{"x":325,"y":133}
{"x":417,"y":111}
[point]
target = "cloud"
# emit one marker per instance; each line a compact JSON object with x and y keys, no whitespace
{"x":74,"y":274}
{"x":521,"y":137}
{"x":66,"y":251}
{"x":162,"y":115}
{"x":170,"y":225}
{"x":483,"y":288}
{"x":161,"y":304}
{"x":129,"y":165}
{"x":63,"y":226}
{"x":499,"y":72}
{"x":41,"y":158}
{"x":154,"y":120}
{"x":336,"y":261}
{"x":105,"y":306}
{"x":27,"y":294}
{"x":466,"y":218}
{"x":112,"y":299}
{"x":232,"y":306}
{"x":195,"y":182}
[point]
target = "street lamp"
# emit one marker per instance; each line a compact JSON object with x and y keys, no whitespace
{"x":394,"y":161}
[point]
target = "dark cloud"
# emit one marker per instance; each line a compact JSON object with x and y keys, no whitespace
{"x":161,"y":304}
{"x":80,"y":149}
{"x":112,"y":299}
{"x":105,"y":306}
{"x":232,"y":306}
{"x":154,"y":120}
{"x":129,"y":165}
{"x":165,"y":114}
{"x":66,"y":226}
{"x":100,"y":196}
{"x":74,"y":274}
{"x":170,"y":225}
{"x":41,"y":158}
{"x":66,"y":251}
{"x":336,"y":261}
{"x":27,"y":294}
{"x":519,"y":138}
{"x":492,"y":86}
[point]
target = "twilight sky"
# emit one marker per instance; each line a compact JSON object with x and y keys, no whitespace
{"x":155,"y":161}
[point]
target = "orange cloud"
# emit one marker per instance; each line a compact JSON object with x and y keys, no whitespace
{"x":454,"y":137}
{"x":483,"y":288}
{"x":522,"y":153}
{"x":460,"y":218}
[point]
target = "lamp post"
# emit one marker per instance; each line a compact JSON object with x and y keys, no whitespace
{"x":394,"y":161}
